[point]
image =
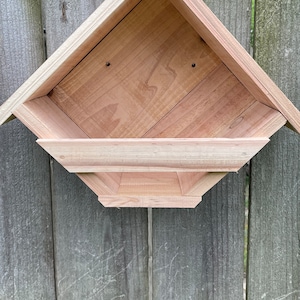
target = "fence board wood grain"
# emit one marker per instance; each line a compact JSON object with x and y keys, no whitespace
{"x":274,"y":266}
{"x":26,"y":248}
{"x":100,"y":253}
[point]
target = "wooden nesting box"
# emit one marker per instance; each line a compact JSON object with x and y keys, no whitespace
{"x":151,"y":102}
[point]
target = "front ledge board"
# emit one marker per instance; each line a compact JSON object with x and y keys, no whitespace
{"x":151,"y":103}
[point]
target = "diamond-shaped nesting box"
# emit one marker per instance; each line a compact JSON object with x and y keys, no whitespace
{"x":151,"y":103}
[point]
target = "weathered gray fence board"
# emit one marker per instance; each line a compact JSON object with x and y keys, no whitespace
{"x":99,"y":253}
{"x":198,"y":254}
{"x":235,"y":15}
{"x":274,"y":265}
{"x":61,"y":18}
{"x":26,"y":249}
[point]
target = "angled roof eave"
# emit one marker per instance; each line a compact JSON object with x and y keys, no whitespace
{"x":68,"y":55}
{"x":237,"y":59}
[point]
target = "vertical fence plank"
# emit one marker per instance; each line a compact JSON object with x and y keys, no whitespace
{"x":99,"y":253}
{"x":274,"y":249}
{"x":26,"y":249}
{"x":198,"y":253}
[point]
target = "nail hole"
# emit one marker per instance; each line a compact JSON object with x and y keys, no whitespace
{"x":107,"y":64}
{"x":193,"y":65}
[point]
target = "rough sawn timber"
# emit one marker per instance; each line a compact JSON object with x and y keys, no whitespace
{"x":274,"y":265}
{"x":26,"y":243}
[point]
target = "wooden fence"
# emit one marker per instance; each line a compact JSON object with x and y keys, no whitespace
{"x":58,"y":242}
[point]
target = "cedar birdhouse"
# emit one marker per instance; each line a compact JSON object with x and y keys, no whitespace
{"x":151,"y":103}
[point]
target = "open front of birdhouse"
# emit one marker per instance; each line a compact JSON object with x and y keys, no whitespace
{"x":151,"y":103}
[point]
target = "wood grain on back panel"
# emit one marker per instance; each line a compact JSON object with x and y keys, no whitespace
{"x":137,"y":74}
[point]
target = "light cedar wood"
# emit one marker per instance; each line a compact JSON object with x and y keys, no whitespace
{"x":46,"y":120}
{"x":191,"y":122}
{"x":197,"y":184}
{"x":258,"y":121}
{"x":102,"y":183}
{"x":69,"y":54}
{"x":150,"y":55}
{"x":218,"y":107}
{"x":149,"y":184}
{"x":236,"y":58}
{"x":272,"y":120}
{"x":209,"y":108}
{"x":150,"y":201}
{"x":153,"y":155}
